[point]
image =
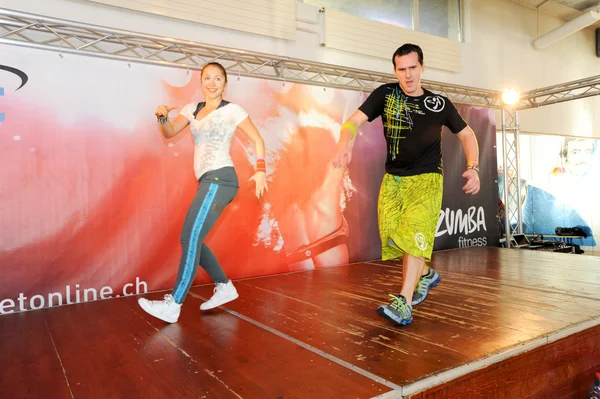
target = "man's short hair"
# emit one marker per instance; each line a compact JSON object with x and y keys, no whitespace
{"x":406,"y":49}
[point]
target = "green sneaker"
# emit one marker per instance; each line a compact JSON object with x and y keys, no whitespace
{"x":426,"y":283}
{"x":397,"y":311}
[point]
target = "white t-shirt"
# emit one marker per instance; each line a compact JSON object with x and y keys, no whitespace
{"x":212,"y":136}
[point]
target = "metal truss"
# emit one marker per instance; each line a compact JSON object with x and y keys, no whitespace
{"x":569,"y":91}
{"x":63,"y":36}
{"x":39,"y":32}
{"x":514,"y":190}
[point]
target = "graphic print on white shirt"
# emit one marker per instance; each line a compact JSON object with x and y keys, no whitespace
{"x":212,"y":136}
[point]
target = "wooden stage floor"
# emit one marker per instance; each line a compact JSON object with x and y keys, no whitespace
{"x":503,"y":323}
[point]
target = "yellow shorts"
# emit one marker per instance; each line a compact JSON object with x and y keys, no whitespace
{"x":409,"y":209}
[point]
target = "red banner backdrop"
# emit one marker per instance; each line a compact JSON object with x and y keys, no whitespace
{"x":93,"y":198}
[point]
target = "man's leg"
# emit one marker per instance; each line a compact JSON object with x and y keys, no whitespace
{"x":390,"y":212}
{"x":412,"y":270}
{"x":389,"y":208}
{"x":428,"y":280}
{"x":418,"y":212}
{"x":433,"y":184}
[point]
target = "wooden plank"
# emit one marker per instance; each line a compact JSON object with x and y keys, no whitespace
{"x":19,"y":323}
{"x":459,"y":323}
{"x":576,"y":275}
{"x":108,"y":351}
{"x":454,"y":299}
{"x":30,"y":365}
{"x":490,"y":300}
{"x":258,"y":364}
{"x":562,"y":369}
{"x":358,"y":335}
{"x":113,"y":349}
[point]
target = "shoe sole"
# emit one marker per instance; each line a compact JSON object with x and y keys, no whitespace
{"x":433,"y":284}
{"x":381,"y":312}
{"x":147,"y":310}
{"x":222,"y":303}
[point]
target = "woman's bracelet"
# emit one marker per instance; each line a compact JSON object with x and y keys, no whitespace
{"x":261,"y":165}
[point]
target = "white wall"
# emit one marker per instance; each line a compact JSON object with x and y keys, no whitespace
{"x":500,"y":53}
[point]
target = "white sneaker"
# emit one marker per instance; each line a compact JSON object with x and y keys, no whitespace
{"x":223,"y":293}
{"x":167,"y":310}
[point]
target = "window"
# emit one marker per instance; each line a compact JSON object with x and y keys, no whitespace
{"x":394,"y":12}
{"x":435,"y":17}
{"x":439,"y":18}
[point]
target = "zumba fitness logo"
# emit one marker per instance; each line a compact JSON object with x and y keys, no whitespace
{"x":22,"y":75}
{"x":434,"y":103}
{"x":467,"y":225}
{"x":421,"y":241}
{"x":453,"y":222}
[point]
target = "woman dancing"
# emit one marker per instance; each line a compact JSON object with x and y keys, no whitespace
{"x":213,"y":124}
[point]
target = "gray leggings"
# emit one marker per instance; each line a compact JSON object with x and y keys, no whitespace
{"x":217,"y":189}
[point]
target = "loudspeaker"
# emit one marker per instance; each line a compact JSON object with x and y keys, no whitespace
{"x":598,"y":42}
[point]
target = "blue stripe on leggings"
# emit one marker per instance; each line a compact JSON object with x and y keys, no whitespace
{"x":193,"y":245}
{"x":3,"y":114}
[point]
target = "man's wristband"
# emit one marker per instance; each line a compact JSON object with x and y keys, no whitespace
{"x":350,"y":126}
{"x":473,"y":165}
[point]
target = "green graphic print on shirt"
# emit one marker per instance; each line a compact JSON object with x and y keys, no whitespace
{"x":412,"y":127}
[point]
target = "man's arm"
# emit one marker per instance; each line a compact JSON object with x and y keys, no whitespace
{"x":469,"y":144}
{"x":347,"y":134}
{"x":471,"y":149}
{"x":356,"y":120}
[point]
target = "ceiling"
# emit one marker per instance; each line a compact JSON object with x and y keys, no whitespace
{"x":581,"y":5}
{"x":563,"y":9}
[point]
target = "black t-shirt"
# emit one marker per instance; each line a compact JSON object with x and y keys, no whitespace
{"x":412,"y":128}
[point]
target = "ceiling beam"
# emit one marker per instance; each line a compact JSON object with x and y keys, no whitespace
{"x":39,"y":32}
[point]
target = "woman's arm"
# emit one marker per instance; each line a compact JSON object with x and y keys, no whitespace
{"x":170,"y":129}
{"x":259,"y":177}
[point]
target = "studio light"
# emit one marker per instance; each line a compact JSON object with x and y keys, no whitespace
{"x":510,"y":96}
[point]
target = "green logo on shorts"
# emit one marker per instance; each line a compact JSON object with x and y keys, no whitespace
{"x":421,"y":241}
